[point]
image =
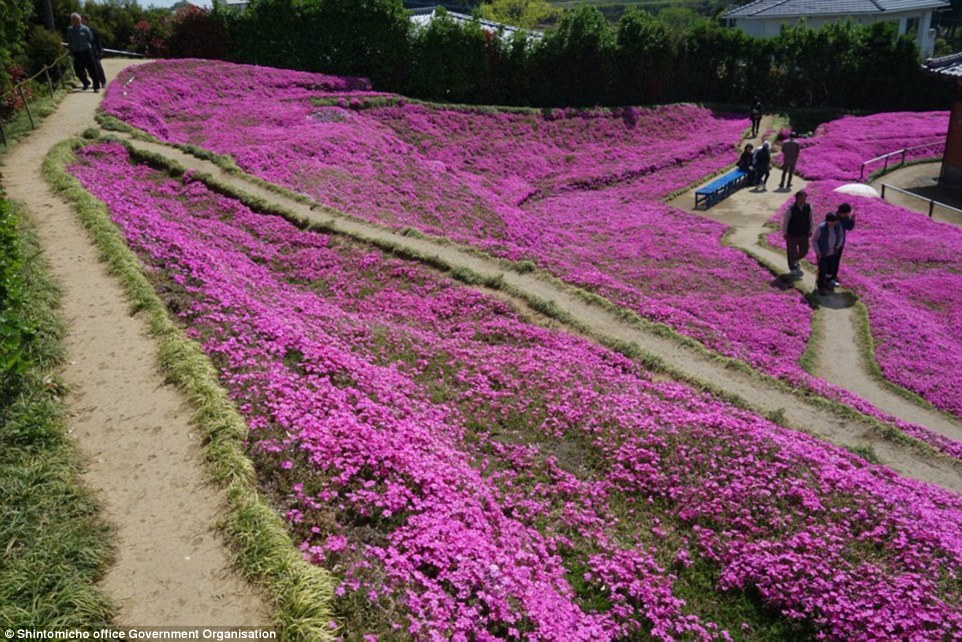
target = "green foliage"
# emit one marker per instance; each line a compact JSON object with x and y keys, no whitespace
{"x":346,"y":37}
{"x":42,"y":48}
{"x":13,"y":25}
{"x":456,"y":63}
{"x":55,"y":544}
{"x":197,"y":33}
{"x":645,"y":56}
{"x":526,"y":14}
{"x":15,"y":331}
{"x":574,"y":65}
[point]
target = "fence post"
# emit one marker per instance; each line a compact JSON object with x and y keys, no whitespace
{"x":46,"y":71}
{"x":3,"y":133}
{"x":883,"y":191}
{"x":931,"y":207}
{"x":904,"y":151}
{"x":26,"y":106}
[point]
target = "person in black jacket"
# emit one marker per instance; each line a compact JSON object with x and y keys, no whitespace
{"x":97,"y":50}
{"x":761,"y":162}
{"x":745,"y":164}
{"x":755,"y":115}
{"x":796,"y":230}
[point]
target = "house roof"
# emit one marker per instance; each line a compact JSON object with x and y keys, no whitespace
{"x":422,"y":17}
{"x":947,"y":67}
{"x":761,"y":9}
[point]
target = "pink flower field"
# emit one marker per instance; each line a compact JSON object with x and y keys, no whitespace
{"x":838,"y":148}
{"x":469,"y":476}
{"x":906,"y":268}
{"x":579,"y":193}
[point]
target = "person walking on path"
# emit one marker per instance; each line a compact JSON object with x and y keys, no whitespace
{"x":80,"y":43}
{"x":760,"y":162}
{"x":98,"y":52}
{"x":826,"y":242}
{"x":755,"y":115}
{"x":790,"y":149}
{"x":796,"y":230}
{"x":846,"y":223}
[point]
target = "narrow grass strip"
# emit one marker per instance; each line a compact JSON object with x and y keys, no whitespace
{"x":54,"y":541}
{"x":301,"y":592}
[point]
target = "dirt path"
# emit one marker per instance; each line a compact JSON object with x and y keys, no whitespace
{"x":923,"y":179}
{"x":145,"y":459}
{"x":838,"y":356}
{"x":763,"y":397}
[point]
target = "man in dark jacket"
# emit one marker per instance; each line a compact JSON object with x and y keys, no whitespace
{"x":796,"y":230}
{"x":98,"y":51}
{"x":80,"y":43}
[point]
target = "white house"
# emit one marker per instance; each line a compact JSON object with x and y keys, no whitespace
{"x":764,"y":18}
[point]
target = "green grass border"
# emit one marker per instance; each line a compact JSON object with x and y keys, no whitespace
{"x":302,"y":593}
{"x":55,"y":542}
{"x":548,"y":308}
{"x":866,"y":345}
{"x":40,"y":107}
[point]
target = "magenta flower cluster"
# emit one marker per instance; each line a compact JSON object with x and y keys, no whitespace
{"x":580,"y":193}
{"x":469,"y":476}
{"x":838,"y":148}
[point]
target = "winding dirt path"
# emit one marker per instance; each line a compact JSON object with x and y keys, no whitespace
{"x":145,"y":460}
{"x":765,"y":398}
{"x":838,"y":355}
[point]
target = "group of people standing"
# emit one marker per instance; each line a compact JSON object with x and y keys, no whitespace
{"x":85,"y":47}
{"x":827,"y":239}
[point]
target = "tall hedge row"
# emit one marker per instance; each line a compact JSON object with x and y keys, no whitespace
{"x":585,"y":61}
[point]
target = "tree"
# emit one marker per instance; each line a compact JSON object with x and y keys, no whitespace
{"x":574,"y":65}
{"x":644,"y":58}
{"x":526,"y":14}
{"x":14,"y":16}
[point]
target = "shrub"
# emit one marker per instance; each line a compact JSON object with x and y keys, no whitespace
{"x":43,"y":47}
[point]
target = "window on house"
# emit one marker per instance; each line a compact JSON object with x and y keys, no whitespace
{"x":912,"y":27}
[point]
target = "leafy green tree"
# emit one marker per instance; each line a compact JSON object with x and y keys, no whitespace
{"x":645,"y":55}
{"x":14,"y":16}
{"x":574,"y":65}
{"x":454,"y":62}
{"x":348,"y":37}
{"x":526,"y":14}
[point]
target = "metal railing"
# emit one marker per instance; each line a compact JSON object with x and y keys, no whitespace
{"x":932,"y":203}
{"x":901,"y":153}
{"x":18,"y":89}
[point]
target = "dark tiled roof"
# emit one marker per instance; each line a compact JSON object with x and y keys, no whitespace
{"x":798,"y":8}
{"x":948,"y":67}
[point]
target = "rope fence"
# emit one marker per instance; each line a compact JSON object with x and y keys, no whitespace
{"x":18,"y":90}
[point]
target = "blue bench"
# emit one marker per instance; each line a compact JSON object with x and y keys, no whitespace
{"x":720,"y":188}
